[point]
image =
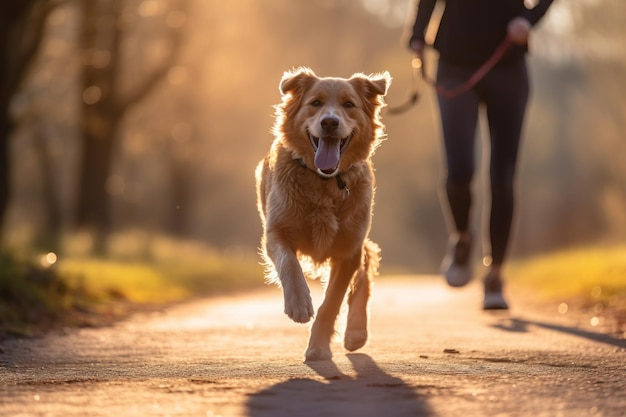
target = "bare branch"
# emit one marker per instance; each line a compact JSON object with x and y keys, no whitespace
{"x":176,"y":36}
{"x":33,"y":29}
{"x":29,"y":27}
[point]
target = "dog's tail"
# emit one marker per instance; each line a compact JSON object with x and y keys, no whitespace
{"x":371,"y":257}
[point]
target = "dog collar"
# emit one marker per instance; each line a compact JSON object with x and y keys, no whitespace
{"x":340,"y":182}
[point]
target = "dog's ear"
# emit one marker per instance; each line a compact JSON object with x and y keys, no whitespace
{"x":381,"y":83}
{"x":296,"y":81}
{"x":372,"y":85}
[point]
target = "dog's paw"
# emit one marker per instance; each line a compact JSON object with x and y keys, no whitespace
{"x":317,"y":353}
{"x":299,"y":307}
{"x":354,"y":339}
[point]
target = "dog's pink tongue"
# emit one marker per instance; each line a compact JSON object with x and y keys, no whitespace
{"x":328,"y":153}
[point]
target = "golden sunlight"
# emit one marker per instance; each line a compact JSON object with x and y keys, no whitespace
{"x":151,"y":8}
{"x":92,"y":94}
{"x":48,"y":259}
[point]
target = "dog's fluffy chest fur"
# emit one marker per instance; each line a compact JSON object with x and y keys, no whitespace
{"x":327,"y":216}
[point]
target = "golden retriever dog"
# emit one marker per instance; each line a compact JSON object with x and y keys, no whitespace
{"x":315,"y":191}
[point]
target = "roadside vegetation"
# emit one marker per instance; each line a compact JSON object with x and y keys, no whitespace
{"x":78,"y":289}
{"x":589,"y":280}
{"x":594,"y":274}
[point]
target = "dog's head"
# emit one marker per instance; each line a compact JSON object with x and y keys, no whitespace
{"x":331,"y":123}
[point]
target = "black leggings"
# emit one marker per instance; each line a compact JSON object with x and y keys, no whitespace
{"x":504,"y":93}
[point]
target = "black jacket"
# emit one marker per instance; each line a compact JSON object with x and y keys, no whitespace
{"x":470,"y":30}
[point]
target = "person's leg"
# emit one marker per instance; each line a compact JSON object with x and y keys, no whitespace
{"x":459,"y":117}
{"x":505,"y":93}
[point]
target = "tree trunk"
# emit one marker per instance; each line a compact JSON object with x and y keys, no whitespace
{"x":22,"y":24}
{"x":100,"y":114}
{"x":49,"y":235}
{"x":9,"y":12}
{"x":5,"y":179}
{"x":181,"y":185}
{"x":103,"y":107}
{"x":93,"y":204}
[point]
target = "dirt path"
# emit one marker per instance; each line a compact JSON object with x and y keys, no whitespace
{"x":433,"y":353}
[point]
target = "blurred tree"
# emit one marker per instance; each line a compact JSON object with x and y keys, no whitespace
{"x":181,"y":172}
{"x":50,"y":234}
{"x":22,"y":24}
{"x":104,"y":28}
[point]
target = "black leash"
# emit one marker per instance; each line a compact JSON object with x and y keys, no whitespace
{"x":416,"y":68}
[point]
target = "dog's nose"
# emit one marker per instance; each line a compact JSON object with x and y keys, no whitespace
{"x":330,"y":124}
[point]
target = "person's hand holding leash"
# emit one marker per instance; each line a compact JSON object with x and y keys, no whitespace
{"x":417,"y":46}
{"x":518,"y":30}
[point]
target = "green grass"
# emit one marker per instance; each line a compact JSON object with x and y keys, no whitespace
{"x":160,"y":281}
{"x":154,"y":269}
{"x":77,"y":288}
{"x":31,"y":294}
{"x":588,"y":275}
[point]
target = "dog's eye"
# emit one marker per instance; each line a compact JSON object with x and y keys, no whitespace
{"x":316,"y":103}
{"x":348,"y":105}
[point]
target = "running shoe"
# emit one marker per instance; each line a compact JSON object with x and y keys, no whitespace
{"x":457,"y":265}
{"x":494,"y":300}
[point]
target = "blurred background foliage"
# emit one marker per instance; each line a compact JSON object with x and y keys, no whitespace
{"x":147,"y":118}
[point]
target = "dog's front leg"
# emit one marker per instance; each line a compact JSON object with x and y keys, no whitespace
{"x":324,"y":325}
{"x":298,"y":303}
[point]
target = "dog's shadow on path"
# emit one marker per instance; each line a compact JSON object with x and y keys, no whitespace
{"x":370,"y":393}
